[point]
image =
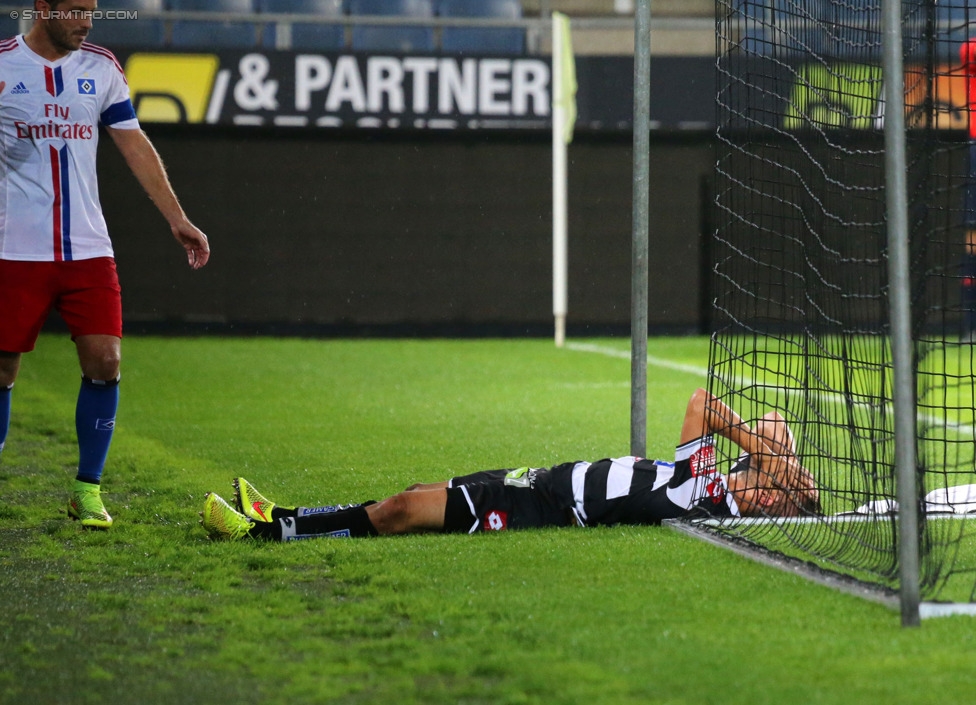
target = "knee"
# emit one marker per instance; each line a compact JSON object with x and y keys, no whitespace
{"x":102,"y":363}
{"x":108,"y":367}
{"x":9,"y":366}
{"x":392,"y":515}
{"x":106,"y":371}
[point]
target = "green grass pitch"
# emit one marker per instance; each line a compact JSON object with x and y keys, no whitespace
{"x":152,"y":611}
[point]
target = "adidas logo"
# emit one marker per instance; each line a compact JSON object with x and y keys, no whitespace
{"x":19,"y":89}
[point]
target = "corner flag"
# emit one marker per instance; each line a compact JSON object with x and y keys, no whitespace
{"x":563,"y":120}
{"x":564,"y":93}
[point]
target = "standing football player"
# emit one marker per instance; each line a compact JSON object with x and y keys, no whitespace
{"x":55,"y":250}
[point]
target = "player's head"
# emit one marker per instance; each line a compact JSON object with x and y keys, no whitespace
{"x":757,"y":493}
{"x":65,"y":23}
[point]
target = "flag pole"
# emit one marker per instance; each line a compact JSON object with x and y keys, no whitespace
{"x":563,"y":119}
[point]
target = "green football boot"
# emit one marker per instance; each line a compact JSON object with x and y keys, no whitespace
{"x":222,"y":521}
{"x":252,"y":503}
{"x":85,"y":505}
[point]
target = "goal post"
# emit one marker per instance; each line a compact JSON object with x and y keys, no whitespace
{"x":899,"y":307}
{"x":640,"y":230}
{"x":842,"y":285}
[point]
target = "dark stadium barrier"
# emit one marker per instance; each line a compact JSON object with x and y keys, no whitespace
{"x":345,"y":193}
{"x":320,"y":233}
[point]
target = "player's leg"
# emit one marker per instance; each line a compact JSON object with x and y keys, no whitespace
{"x":409,"y":512}
{"x":406,"y":512}
{"x":98,"y":402}
{"x":256,"y":507}
{"x":403,"y":513}
{"x":463,"y":509}
{"x":25,"y":289}
{"x":97,"y":405}
{"x":99,"y":356}
{"x":9,"y":366}
{"x":251,"y":503}
{"x":91,"y":306}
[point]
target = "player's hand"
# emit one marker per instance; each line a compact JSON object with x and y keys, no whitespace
{"x":194,"y":242}
{"x":2,"y":86}
{"x":787,"y":472}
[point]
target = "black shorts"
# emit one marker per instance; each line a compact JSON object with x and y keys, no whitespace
{"x":484,"y":502}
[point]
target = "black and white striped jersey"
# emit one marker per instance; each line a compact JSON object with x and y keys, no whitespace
{"x":633,"y":490}
{"x":624,"y":490}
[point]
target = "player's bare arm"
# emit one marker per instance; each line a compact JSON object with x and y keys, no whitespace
{"x":707,"y":414}
{"x":770,"y":444}
{"x":146,"y":165}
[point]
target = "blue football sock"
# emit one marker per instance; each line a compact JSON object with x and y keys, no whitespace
{"x":5,"y":394}
{"x":95,"y":421}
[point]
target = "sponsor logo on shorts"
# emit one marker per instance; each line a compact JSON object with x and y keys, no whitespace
{"x":496,"y":520}
{"x":715,"y":490}
{"x":520,"y":477}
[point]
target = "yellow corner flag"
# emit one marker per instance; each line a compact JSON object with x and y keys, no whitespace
{"x":564,"y":93}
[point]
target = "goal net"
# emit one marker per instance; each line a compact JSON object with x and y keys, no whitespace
{"x":800,"y":320}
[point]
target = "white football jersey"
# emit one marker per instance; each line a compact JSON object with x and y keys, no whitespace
{"x":49,"y":117}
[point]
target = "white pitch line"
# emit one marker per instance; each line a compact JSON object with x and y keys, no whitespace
{"x":962,"y":429}
{"x":651,"y":361}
